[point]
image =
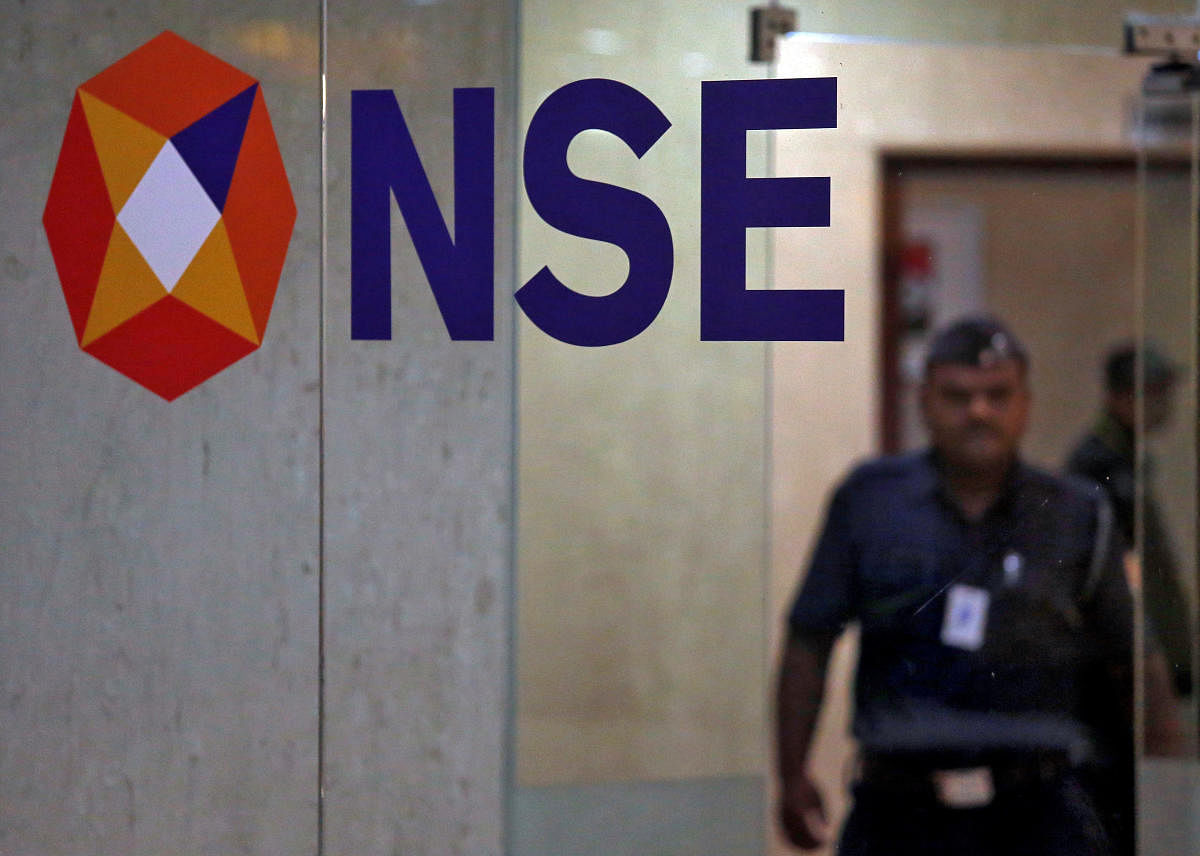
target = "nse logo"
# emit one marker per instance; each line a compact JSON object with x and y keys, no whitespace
{"x":169,"y":215}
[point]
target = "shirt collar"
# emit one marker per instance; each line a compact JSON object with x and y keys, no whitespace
{"x":932,"y":486}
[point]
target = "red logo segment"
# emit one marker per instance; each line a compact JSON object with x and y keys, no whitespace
{"x":169,"y":215}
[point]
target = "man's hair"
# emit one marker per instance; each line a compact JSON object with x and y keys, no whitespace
{"x":977,"y":341}
{"x":1120,"y":367}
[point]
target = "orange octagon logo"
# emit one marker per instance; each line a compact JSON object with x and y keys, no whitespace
{"x":169,"y":215}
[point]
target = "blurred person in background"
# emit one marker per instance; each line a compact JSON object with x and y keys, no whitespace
{"x":1106,"y":455}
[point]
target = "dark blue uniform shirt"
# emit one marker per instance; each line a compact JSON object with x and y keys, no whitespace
{"x":1058,"y":619}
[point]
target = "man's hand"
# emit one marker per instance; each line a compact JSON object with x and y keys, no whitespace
{"x":801,"y":688}
{"x":802,"y":813}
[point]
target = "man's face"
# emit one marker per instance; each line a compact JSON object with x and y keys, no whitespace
{"x":1158,"y":406}
{"x":976,"y":416}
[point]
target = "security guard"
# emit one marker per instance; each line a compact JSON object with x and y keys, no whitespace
{"x":994,"y":618}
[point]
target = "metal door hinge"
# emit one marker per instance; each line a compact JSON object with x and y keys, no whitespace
{"x":768,"y":23}
{"x":1163,"y":35}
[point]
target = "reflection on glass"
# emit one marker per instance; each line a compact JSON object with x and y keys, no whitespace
{"x":1162,"y":404}
{"x":1163,"y":373}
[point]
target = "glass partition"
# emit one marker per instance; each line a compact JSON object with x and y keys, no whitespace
{"x":641,"y":544}
{"x":1166,"y":413}
{"x":643,"y":649}
{"x":1014,"y":210}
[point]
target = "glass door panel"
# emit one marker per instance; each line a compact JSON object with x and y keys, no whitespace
{"x":1166,"y":415}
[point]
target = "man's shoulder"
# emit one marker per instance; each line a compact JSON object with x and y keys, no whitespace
{"x":1094,"y":457}
{"x":889,"y":471}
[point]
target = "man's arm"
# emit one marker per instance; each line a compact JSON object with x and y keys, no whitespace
{"x":1164,"y":735}
{"x":801,"y":689}
{"x":825,"y":603}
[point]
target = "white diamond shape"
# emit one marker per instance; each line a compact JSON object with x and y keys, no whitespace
{"x":168,"y":216}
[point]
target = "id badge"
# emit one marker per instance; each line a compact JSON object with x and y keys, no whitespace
{"x":965,"y":621}
{"x":973,"y":788}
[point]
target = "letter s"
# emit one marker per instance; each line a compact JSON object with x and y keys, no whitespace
{"x":592,"y":209}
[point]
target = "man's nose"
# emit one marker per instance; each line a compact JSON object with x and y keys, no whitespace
{"x":978,"y":407}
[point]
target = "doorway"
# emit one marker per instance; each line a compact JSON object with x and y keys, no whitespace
{"x":1046,"y":243}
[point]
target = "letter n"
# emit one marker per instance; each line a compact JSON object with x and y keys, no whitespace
{"x":384,"y":162}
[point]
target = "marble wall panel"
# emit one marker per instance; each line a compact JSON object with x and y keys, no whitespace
{"x":419,"y":464}
{"x":158,"y":561}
